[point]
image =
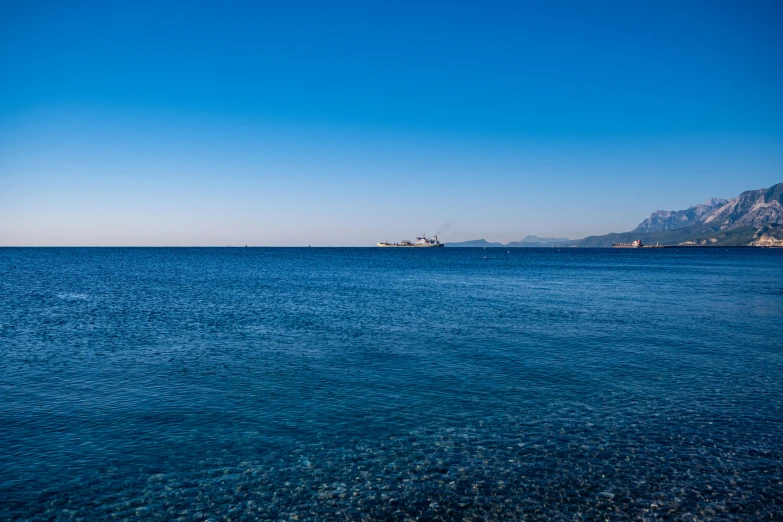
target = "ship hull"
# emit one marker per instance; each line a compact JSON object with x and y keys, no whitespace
{"x":386,"y":245}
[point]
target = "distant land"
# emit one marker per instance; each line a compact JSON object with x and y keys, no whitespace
{"x":529,"y":241}
{"x":754,"y":218}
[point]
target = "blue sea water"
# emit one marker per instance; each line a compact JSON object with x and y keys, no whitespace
{"x":387,"y":384}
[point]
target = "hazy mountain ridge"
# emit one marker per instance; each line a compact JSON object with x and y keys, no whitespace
{"x":535,"y":241}
{"x":752,"y":218}
{"x":475,"y":243}
{"x":754,"y":208}
{"x":661,"y":220}
{"x":526,"y":242}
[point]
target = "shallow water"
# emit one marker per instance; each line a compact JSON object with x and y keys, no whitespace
{"x":311,"y":384}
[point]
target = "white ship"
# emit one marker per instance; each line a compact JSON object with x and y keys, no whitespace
{"x":422,"y":241}
{"x":635,"y":244}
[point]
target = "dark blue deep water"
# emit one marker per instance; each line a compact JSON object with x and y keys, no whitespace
{"x":312,"y":384}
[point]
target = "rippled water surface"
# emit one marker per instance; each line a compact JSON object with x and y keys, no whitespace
{"x":312,"y":384}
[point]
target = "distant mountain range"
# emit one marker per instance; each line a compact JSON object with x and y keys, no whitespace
{"x":527,"y":242}
{"x":754,"y":218}
{"x":662,"y":220}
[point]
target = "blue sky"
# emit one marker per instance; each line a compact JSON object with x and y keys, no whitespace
{"x":294,"y":123}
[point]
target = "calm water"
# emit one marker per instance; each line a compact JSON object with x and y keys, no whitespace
{"x":298,"y":384}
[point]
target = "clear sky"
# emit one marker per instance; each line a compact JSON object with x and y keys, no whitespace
{"x":330,"y":123}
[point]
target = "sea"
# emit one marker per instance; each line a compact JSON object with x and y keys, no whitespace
{"x":391,"y":384}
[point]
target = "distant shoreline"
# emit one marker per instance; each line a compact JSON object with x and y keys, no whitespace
{"x":376,"y":247}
